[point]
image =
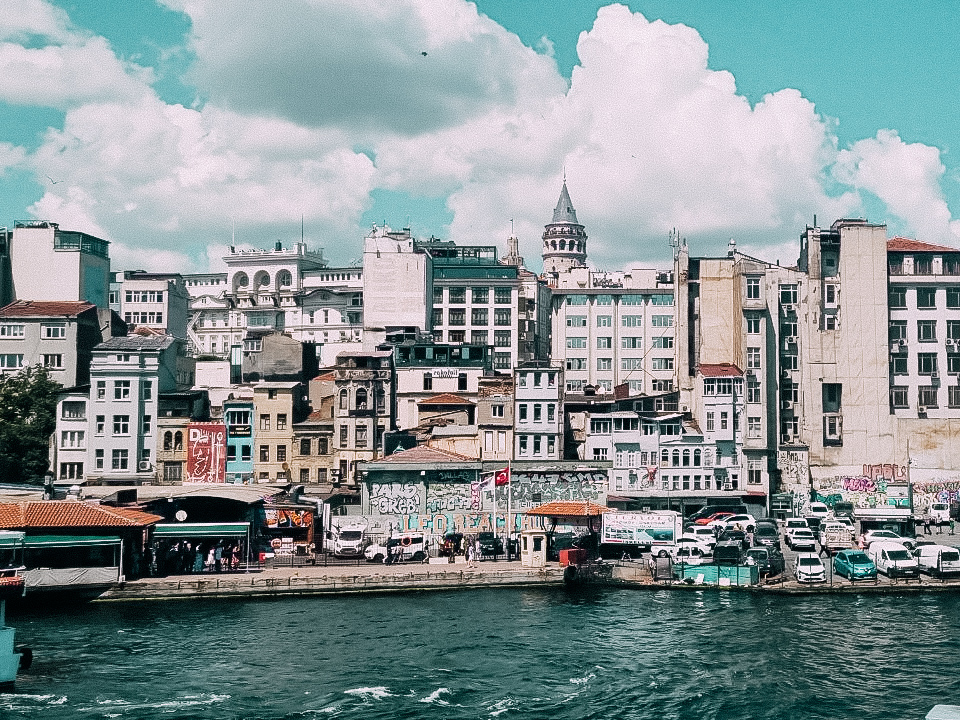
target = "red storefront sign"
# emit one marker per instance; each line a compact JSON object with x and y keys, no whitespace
{"x":206,"y":453}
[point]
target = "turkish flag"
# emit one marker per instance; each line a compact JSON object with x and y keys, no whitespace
{"x":503,"y":477}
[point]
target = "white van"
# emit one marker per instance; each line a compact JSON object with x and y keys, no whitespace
{"x":893,"y":560}
{"x":940,"y":512}
{"x":405,"y":547}
{"x":938,"y":560}
{"x":350,"y":541}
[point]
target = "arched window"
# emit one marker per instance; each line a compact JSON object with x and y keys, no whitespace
{"x":261,"y":279}
{"x":240,"y":281}
{"x":168,"y":440}
{"x":361,"y":398}
{"x":379,"y":400}
{"x":686,"y":458}
{"x":664,"y":458}
{"x":696,"y":458}
{"x":178,"y":441}
{"x":563,"y":244}
{"x":343,"y":399}
{"x":676,"y":458}
{"x":284,"y":279}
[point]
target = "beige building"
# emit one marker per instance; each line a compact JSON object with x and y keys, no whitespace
{"x":276,"y":407}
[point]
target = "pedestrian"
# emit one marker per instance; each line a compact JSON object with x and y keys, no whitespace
{"x":939,"y":528}
{"x":926,"y":525}
{"x":952,"y":523}
{"x":469,"y":556}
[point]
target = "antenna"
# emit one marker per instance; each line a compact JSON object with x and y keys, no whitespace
{"x":511,"y":228}
{"x":301,"y":227}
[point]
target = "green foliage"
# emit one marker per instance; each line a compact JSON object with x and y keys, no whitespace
{"x":28,"y":406}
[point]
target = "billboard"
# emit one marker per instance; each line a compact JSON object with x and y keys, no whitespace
{"x":206,"y":453}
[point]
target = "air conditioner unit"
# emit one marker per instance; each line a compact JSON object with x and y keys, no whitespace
{"x":789,"y":307}
{"x":785,"y":374}
{"x":728,"y":486}
{"x":951,"y":343}
{"x":751,"y":372}
{"x":935,"y":376}
{"x":786,"y":405}
{"x":144,"y":466}
{"x":791,"y":339}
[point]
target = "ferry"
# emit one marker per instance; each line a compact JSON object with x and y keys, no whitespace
{"x":11,"y":587}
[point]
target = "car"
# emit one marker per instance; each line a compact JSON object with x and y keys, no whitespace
{"x":938,"y":560}
{"x":691,"y":554}
{"x":766,"y":534}
{"x":709,"y":519}
{"x":854,"y":565}
{"x":728,"y":552}
{"x":893,"y":559}
{"x":872,"y":536}
{"x":794,"y":524}
{"x":818,"y":510}
{"x":769,"y":561}
{"x":801,"y":539}
{"x":810,"y":569}
{"x":703,"y":533}
{"x":744,"y":521}
{"x":405,"y":547}
{"x":734,"y":536}
{"x":490,"y":545}
{"x":684,"y":541}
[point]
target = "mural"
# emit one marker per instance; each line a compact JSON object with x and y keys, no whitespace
{"x":396,"y":498}
{"x":206,"y":453}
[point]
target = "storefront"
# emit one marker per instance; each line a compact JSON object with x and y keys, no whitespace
{"x":289,"y":529}
{"x":178,"y":548}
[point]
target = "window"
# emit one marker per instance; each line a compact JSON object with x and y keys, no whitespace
{"x":928,"y":396}
{"x":665,"y":363}
{"x":953,"y":363}
{"x":281,"y":453}
{"x":437,"y":294}
{"x":577,"y":300}
{"x":101,"y":389}
{"x":953,"y":396}
{"x":427,"y":381}
{"x":604,"y":364}
{"x":631,"y":320}
{"x":523,"y":444}
{"x":753,"y":358}
{"x":522,"y":412}
{"x":147,"y":425}
{"x":501,"y":338}
{"x":953,"y":298}
{"x":501,"y":316}
{"x":753,"y":288}
{"x":480,"y":295}
{"x":71,"y":439}
{"x":926,"y":363}
{"x":120,"y":459}
{"x":576,"y":363}
{"x":661,"y":299}
{"x":661,"y":386}
{"x":246,"y":453}
{"x":601,"y":300}
{"x":576,"y":342}
{"x":953,"y":329}
{"x":830,"y":294}
{"x":178,"y":441}
{"x":71,"y":471}
{"x":631,"y":343}
{"x":101,"y":424}
{"x":98,"y":459}
{"x":753,"y":392}
{"x":599,"y":453}
{"x":724,"y":417}
{"x":754,"y":471}
{"x":11,"y":361}
{"x":10,"y":330}
{"x":631,"y":299}
{"x":926,"y":298}
{"x":479,"y":337}
{"x":457,"y":295}
{"x":898,"y":396}
{"x":600,"y":426}
{"x":551,"y":412}
{"x":663,"y":343}
{"x":437,"y":316}
{"x":264,"y":453}
{"x":631,"y":363}
{"x":788,"y":294}
{"x":753,"y":427}
{"x":53,"y":331}
{"x":265,"y":421}
{"x":576,"y":320}
{"x":496,"y":411}
{"x":282,"y":417}
{"x":662,"y":321}
{"x":121,"y":390}
{"x":457,"y":316}
{"x":604,"y":320}
{"x":147,"y":389}
{"x":501,"y":360}
{"x":537,"y":412}
{"x":537,"y":444}
{"x":121,"y":424}
{"x":604,"y":343}
{"x":74,"y":410}
{"x":322,"y":446}
{"x":462,"y":381}
{"x":897,"y":297}
{"x":897,"y":330}
{"x":753,"y":326}
{"x":927,"y":330}
{"x":829,"y":322}
{"x":898,"y":365}
{"x":304,"y":446}
{"x":503,"y":296}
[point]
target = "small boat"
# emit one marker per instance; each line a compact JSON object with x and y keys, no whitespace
{"x":944,"y":712}
{"x":11,"y":587}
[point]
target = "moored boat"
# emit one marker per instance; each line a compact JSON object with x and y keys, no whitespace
{"x":11,"y":586}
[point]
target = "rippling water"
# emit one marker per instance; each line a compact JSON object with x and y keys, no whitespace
{"x":495,"y":653}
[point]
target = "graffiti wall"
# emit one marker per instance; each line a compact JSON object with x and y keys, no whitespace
{"x":931,"y":486}
{"x":206,"y":453}
{"x":866,"y":486}
{"x":794,"y":466}
{"x":471,"y":507}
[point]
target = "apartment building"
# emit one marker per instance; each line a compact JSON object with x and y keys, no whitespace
{"x":158,"y":301}
{"x":538,"y":413}
{"x":277,"y":406}
{"x":495,"y":403}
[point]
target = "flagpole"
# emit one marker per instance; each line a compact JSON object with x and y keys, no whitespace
{"x":509,"y":502}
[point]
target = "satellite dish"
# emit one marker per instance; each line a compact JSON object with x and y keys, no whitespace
{"x":181,"y":515}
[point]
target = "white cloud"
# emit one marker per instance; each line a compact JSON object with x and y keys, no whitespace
{"x":906,"y":177}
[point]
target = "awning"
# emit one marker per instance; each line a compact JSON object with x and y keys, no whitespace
{"x":180,"y":530}
{"x":45,"y":541}
{"x":11,"y":538}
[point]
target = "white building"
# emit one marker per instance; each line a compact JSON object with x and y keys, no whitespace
{"x":538,"y":413}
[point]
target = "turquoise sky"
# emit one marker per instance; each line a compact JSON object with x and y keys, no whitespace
{"x":344,"y":161}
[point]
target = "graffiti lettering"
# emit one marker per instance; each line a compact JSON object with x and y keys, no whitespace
{"x":395,"y":498}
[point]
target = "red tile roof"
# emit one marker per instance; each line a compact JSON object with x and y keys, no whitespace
{"x":720,"y":370}
{"x":446,"y":399}
{"x":70,"y":514}
{"x":34,"y":308}
{"x":325,"y":376}
{"x":902,"y":244}
{"x":424,"y":454}
{"x":568,"y":508}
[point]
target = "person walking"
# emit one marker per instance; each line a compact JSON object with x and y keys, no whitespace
{"x":926,"y":525}
{"x":952,"y":524}
{"x":469,"y":555}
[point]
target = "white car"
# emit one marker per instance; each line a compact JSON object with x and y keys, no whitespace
{"x":795,"y":524}
{"x":810,"y":569}
{"x":745,"y":521}
{"x":682,"y":542}
{"x":872,"y":536}
{"x":801,"y":539}
{"x":690,"y":553}
{"x":818,"y":510}
{"x":703,"y":534}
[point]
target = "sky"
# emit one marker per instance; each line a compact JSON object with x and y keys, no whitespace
{"x":177,"y":128}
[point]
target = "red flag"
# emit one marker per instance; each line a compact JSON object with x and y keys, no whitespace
{"x":503,"y":477}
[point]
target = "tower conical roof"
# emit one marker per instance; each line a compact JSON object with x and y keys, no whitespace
{"x":564,"y":212}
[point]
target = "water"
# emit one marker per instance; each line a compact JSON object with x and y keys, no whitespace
{"x":543,"y":653}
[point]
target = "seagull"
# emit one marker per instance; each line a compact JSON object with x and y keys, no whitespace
{"x":52,"y":181}
{"x":424,"y":53}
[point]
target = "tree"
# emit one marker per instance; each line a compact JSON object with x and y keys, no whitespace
{"x":28,"y":406}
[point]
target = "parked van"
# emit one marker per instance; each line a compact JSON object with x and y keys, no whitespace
{"x":938,"y":560}
{"x":350,"y":541}
{"x":893,"y":560}
{"x":940,"y":512}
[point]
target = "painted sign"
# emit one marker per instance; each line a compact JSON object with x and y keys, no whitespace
{"x":206,"y":453}
{"x":276,"y":518}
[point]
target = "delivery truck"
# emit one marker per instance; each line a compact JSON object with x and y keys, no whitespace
{"x":633,"y":533}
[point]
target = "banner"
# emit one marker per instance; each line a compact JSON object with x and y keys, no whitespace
{"x":503,"y":477}
{"x":206,"y":453}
